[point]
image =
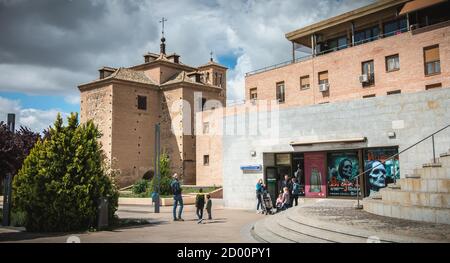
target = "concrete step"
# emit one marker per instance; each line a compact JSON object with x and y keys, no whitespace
{"x":322,"y":234}
{"x":408,"y":212}
{"x":262,"y":233}
{"x":424,"y":185}
{"x":340,"y":232}
{"x":433,"y":172}
{"x":444,"y":159}
{"x":273,"y":225}
{"x":428,"y":199}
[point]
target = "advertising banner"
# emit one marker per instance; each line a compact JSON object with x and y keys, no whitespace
{"x":380,"y":175}
{"x":343,"y":168}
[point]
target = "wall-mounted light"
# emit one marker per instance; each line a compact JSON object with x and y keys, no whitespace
{"x":253,"y":153}
{"x":391,"y":135}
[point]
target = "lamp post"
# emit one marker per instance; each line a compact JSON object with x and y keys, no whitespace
{"x":8,"y":180}
{"x":156,"y":189}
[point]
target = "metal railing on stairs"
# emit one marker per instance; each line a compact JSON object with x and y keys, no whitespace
{"x":358,"y":193}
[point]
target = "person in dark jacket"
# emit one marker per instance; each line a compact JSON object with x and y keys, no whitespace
{"x":209,"y":206}
{"x":200,"y":204}
{"x":177,"y":198}
{"x":287,"y":182}
{"x":259,"y":190}
{"x":295,"y":191}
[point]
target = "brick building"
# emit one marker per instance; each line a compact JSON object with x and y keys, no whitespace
{"x":126,"y":103}
{"x":368,"y":84}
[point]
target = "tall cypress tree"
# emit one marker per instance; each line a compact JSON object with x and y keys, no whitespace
{"x":62,"y":179}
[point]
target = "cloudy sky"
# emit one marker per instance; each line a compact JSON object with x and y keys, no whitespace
{"x":48,"y":47}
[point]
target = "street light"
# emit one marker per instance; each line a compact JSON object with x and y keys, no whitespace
{"x":8,"y":180}
{"x":156,"y":190}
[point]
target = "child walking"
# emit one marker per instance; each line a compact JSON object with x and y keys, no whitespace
{"x":208,"y":206}
{"x":200,"y":204}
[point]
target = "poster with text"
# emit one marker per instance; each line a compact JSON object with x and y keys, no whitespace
{"x":343,"y":169}
{"x":381,"y":169}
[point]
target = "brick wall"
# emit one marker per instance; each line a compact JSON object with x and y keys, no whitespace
{"x":344,"y":69}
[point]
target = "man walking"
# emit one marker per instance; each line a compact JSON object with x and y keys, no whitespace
{"x":177,"y":198}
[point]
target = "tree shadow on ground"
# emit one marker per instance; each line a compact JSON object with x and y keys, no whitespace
{"x":129,"y":223}
{"x":24,"y":236}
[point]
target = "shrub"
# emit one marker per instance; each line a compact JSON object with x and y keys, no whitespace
{"x":140,"y":186}
{"x":164,"y":185}
{"x":62,"y":179}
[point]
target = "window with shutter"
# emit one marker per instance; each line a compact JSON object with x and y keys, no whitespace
{"x":432,"y":60}
{"x":323,"y":77}
{"x":304,"y":82}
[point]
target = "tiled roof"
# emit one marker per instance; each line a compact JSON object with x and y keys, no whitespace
{"x":212,"y":63}
{"x":131,"y":75}
{"x":127,"y":75}
{"x":183,"y":77}
{"x":180,"y":77}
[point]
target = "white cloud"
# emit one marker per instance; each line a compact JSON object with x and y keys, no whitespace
{"x":36,"y":120}
{"x":63,"y":57}
{"x":72,"y":99}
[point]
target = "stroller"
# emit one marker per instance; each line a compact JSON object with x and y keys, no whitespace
{"x":266,"y":202}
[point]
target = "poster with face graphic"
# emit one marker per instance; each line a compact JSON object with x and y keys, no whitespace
{"x":343,"y":168}
{"x":380,"y":174}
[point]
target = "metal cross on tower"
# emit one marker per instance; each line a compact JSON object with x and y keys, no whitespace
{"x":162,"y":22}
{"x":211,"y":58}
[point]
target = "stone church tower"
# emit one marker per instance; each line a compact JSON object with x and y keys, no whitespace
{"x":126,"y":103}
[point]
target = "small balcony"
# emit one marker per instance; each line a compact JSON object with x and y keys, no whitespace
{"x":367,"y":24}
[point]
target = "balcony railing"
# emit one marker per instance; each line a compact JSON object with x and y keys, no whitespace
{"x":323,"y":52}
{"x":279,"y":65}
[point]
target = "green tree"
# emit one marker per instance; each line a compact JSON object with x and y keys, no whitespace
{"x":62,"y":179}
{"x":14,"y":148}
{"x":164,"y":168}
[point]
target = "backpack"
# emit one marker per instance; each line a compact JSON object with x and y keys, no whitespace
{"x":200,"y":200}
{"x":296,"y":189}
{"x":176,"y":190}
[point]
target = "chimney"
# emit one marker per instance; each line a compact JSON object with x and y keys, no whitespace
{"x":149,"y":57}
{"x":174,"y":58}
{"x":106,"y":72}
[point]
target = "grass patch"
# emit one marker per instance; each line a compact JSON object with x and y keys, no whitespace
{"x":186,"y":190}
{"x":194,"y":190}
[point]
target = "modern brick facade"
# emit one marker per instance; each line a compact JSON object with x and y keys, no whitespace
{"x":344,"y":70}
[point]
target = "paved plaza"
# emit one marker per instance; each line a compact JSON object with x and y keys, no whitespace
{"x":227,"y":226}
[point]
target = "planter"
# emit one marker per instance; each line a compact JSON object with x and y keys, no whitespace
{"x":187,"y":200}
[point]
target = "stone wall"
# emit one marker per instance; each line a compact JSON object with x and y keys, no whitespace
{"x":133,"y":132}
{"x":95,"y":104}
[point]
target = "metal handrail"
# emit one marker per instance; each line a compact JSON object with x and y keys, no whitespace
{"x":279,"y":65}
{"x":288,"y":62}
{"x":395,"y":155}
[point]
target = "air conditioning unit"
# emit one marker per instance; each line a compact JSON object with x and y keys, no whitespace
{"x":324,"y":87}
{"x":364,"y":78}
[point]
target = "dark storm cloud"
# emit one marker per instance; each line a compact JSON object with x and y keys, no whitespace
{"x":62,"y":33}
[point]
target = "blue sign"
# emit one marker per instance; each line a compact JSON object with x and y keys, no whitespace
{"x":252,"y":168}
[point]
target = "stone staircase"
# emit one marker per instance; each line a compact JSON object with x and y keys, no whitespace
{"x":337,"y":221}
{"x":421,"y":196}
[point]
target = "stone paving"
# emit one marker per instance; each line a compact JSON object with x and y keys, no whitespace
{"x":227,"y":226}
{"x":343,"y":213}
